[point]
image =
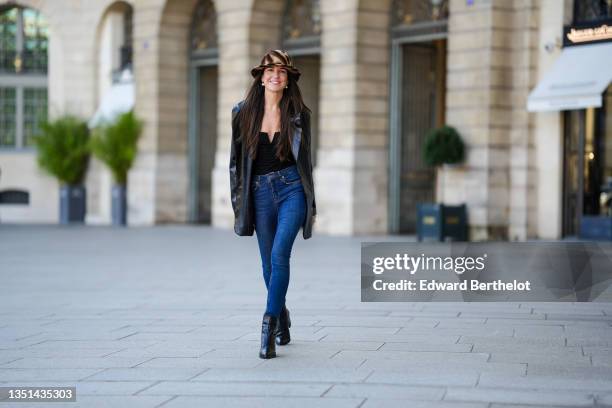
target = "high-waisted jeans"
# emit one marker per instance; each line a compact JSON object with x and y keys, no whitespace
{"x":280,"y":210}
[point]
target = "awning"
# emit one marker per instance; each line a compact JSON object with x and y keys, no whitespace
{"x":118,"y":99}
{"x":576,"y":81}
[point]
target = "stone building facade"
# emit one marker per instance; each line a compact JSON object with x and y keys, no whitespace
{"x":492,"y":56}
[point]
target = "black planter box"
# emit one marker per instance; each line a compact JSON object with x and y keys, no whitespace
{"x":73,"y":202}
{"x":119,"y":205}
{"x":439,"y":222}
{"x":596,"y":227}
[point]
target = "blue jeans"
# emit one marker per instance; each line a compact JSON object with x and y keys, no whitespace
{"x":280,"y":211}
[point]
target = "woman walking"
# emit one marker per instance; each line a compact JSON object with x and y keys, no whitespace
{"x":272,"y":189}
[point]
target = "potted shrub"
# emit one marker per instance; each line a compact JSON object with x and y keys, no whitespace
{"x":115,"y":144}
{"x":443,"y":146}
{"x":63,"y":151}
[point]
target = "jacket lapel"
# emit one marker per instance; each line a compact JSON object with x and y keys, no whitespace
{"x":297,"y":137}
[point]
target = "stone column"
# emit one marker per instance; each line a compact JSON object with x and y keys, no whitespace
{"x":246,"y":30}
{"x":351,"y":173}
{"x":141,"y":178}
{"x":490,"y":72}
{"x":158,"y":183}
{"x":548,"y":126}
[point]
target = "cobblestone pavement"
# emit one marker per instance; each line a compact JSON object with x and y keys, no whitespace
{"x":170,"y":316}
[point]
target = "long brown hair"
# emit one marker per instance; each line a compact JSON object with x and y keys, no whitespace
{"x":251,"y":114}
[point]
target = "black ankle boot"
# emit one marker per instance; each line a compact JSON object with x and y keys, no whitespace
{"x":268,"y":328}
{"x":284,"y":323}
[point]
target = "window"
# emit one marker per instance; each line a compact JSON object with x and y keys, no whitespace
{"x":125,"y":25}
{"x":586,"y":11}
{"x":302,"y":18}
{"x":23,"y":75}
{"x":126,"y":48}
{"x":406,"y":12}
{"x":204,"y":27}
{"x":300,"y":32}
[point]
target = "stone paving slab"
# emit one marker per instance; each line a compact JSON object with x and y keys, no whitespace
{"x":397,"y":371}
{"x":169,"y":317}
{"x":386,"y":391}
{"x":544,"y":382}
{"x":569,"y":371}
{"x":605,"y":400}
{"x":306,"y":374}
{"x":530,"y":396}
{"x":81,"y":362}
{"x":419,"y":357}
{"x":146,"y":374}
{"x":422,"y":375}
{"x":202,"y":362}
{"x":104,"y":401}
{"x":498,"y":405}
{"x":487,"y":341}
{"x":423,"y":346}
{"x":383,"y":403}
{"x":62,"y":353}
{"x":90,"y":387}
{"x":569,"y":359}
{"x":263,"y":402}
{"x":163,"y":351}
{"x":527,"y":349}
{"x":46,"y":374}
{"x":238,"y":389}
{"x":89,"y":344}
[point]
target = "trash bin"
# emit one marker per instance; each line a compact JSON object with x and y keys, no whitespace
{"x":599,"y":227}
{"x":596,"y":227}
{"x":440,"y":222}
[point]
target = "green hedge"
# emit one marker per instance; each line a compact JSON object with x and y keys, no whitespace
{"x":443,"y":145}
{"x":116,"y":144}
{"x":63,"y":149}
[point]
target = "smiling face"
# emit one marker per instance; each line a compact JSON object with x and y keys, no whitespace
{"x":275,"y":78}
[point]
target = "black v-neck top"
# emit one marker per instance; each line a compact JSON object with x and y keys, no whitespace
{"x":266,"y":160}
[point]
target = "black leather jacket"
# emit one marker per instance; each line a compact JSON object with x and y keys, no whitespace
{"x":241,"y":165}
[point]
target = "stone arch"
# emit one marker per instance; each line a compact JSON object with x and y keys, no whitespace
{"x":173,"y":52}
{"x":99,"y":178}
{"x":94,"y":17}
{"x":168,"y":105}
{"x":109,"y":6}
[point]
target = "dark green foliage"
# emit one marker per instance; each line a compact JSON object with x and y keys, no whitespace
{"x":116,"y":144}
{"x":443,"y":145}
{"x":63,"y":149}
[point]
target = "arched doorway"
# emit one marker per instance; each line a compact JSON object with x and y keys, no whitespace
{"x":203,"y":92}
{"x":113,"y":57}
{"x":114,"y":45}
{"x":418,"y":76}
{"x":23,"y":75}
{"x":301,"y":37}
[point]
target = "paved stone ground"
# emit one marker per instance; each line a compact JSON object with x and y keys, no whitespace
{"x":170,"y":316}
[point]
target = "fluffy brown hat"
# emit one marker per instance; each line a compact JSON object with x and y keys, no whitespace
{"x":279,"y":58}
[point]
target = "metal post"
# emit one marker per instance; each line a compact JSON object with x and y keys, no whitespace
{"x":194,"y":143}
{"x":395,"y":148}
{"x":580,"y":193}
